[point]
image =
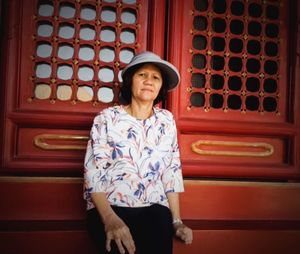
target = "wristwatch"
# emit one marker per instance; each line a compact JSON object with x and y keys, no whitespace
{"x":177,"y":221}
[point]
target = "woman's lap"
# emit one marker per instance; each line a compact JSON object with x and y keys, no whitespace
{"x":151,"y":228}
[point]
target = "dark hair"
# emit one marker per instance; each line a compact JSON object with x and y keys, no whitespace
{"x":125,"y":91}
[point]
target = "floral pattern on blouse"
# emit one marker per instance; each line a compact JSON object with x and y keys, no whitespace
{"x":135,"y":162}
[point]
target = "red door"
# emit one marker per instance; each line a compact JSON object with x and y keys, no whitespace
{"x":238,"y":127}
{"x":236,"y":104}
{"x":61,"y":65}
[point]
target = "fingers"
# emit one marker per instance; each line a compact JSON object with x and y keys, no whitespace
{"x":129,"y":245}
{"x":120,"y":246}
{"x":127,"y":241}
{"x":122,"y":239}
{"x":108,"y":240}
{"x":185,"y":234}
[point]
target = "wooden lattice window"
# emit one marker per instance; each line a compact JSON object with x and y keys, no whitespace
{"x":63,"y":61}
{"x":79,"y":49}
{"x":237,"y":59}
{"x":234,"y":106}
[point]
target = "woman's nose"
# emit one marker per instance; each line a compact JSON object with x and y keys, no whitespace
{"x":148,"y":80}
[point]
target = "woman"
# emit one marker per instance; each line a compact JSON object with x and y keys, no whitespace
{"x":132,"y":166}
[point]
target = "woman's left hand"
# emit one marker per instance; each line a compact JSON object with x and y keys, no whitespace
{"x":183,"y":232}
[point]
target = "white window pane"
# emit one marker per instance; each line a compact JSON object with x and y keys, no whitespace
{"x":107,"y":35}
{"x":106,"y":75}
{"x":43,"y":70}
{"x":107,"y":54}
{"x":129,"y":1}
{"x":65,"y":72}
{"x":87,"y":33}
{"x":65,"y":52}
{"x":45,"y":30}
{"x":66,"y":31}
{"x":126,"y":55}
{"x":108,"y":15}
{"x":85,"y":73}
{"x":44,"y":50}
{"x":67,"y":11}
{"x":86,"y":53}
{"x":120,"y":76}
{"x":105,"y":94}
{"x":128,"y":16}
{"x":64,"y":92}
{"x":88,"y":13}
{"x":42,"y":91}
{"x":127,"y":36}
{"x":45,"y":10}
{"x":85,"y":93}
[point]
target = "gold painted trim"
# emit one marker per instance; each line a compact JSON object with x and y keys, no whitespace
{"x":268,"y":148}
{"x":41,"y":141}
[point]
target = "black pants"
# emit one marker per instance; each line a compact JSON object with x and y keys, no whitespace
{"x":151,"y":229}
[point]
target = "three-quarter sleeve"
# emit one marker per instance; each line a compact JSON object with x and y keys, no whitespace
{"x":96,"y":157}
{"x":172,"y":175}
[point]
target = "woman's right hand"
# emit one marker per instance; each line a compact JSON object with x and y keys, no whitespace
{"x":118,"y":231}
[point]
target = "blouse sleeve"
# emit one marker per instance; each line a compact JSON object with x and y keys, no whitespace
{"x":96,"y":157}
{"x":172,"y":176}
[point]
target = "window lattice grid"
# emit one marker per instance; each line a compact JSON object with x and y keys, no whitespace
{"x":81,"y":47}
{"x":235,"y":56}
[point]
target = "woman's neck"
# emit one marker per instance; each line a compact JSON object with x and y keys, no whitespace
{"x":140,"y":111}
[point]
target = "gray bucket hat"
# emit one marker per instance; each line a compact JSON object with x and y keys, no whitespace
{"x":166,"y":68}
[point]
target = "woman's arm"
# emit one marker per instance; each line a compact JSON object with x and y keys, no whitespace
{"x":97,"y":155}
{"x":181,"y":230}
{"x":115,"y":228}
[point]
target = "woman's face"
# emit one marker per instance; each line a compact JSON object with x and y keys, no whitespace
{"x":146,"y":83}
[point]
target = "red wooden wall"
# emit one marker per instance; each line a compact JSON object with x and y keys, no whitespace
{"x":226,"y":217}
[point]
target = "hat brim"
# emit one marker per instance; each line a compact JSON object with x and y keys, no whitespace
{"x":168,"y":70}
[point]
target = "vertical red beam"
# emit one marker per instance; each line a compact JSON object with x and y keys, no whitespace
{"x":157,"y":26}
{"x":176,"y":8}
{"x":297,"y":91}
{"x":10,"y":76}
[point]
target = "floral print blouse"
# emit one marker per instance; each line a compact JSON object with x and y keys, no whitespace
{"x":135,"y":162}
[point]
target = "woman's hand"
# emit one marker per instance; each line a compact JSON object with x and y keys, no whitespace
{"x":117,"y":230}
{"x":183,"y":232}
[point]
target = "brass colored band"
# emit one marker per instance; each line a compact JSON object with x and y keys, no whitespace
{"x":41,"y":142}
{"x":268,"y":149}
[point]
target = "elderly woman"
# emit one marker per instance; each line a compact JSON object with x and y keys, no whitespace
{"x":132,"y":166}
